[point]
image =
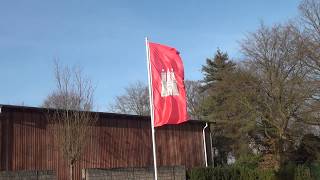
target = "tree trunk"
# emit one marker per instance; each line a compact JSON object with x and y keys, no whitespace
{"x":278,"y":153}
{"x":71,"y":171}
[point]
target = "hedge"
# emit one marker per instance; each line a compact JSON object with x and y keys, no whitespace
{"x":236,"y":172}
{"x":229,"y":173}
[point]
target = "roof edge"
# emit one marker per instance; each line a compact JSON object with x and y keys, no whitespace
{"x":4,"y":108}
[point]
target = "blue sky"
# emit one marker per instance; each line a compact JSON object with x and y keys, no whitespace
{"x":106,"y":38}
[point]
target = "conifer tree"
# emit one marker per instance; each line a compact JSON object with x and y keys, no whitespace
{"x":230,"y":88}
{"x":216,"y":68}
{"x":216,"y":71}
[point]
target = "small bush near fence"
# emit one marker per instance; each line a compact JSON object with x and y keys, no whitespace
{"x":300,"y":172}
{"x":235,"y":172}
{"x":229,"y":173}
{"x":315,"y":170}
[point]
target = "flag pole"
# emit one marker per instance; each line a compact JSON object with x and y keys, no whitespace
{"x":151,"y":112}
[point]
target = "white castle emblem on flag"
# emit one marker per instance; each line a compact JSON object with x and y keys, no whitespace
{"x":169,"y":85}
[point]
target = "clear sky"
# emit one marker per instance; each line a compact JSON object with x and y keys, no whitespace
{"x":106,"y":38}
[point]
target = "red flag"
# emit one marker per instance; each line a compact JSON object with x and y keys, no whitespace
{"x":169,"y":95}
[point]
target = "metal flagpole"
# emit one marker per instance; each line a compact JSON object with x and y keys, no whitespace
{"x":151,"y":112}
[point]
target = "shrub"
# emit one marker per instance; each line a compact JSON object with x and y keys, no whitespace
{"x":286,"y":171}
{"x":302,"y":172}
{"x":291,"y":171}
{"x":249,"y":161}
{"x":232,"y":172}
{"x":315,"y":170}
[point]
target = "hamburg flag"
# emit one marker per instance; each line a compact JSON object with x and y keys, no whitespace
{"x":168,"y":90}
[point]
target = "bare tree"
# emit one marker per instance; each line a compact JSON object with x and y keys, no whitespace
{"x":195,"y":98}
{"x":134,"y":101}
{"x":276,"y":55}
{"x":71,"y":118}
{"x":310,"y":15}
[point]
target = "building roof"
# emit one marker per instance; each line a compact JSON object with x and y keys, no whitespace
{"x":10,"y":108}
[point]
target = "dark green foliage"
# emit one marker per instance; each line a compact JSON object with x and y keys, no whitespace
{"x":245,"y":172}
{"x":286,"y":171}
{"x":315,"y":170}
{"x":217,"y":68}
{"x":215,"y":73}
{"x":229,"y":173}
{"x":306,"y":153}
{"x":222,"y":145}
{"x":302,"y":172}
{"x":226,"y":88}
{"x":309,"y":149}
{"x":249,"y":160}
{"x":291,"y":171}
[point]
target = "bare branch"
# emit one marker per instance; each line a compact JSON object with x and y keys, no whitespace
{"x":134,"y":101}
{"x":72,"y":101}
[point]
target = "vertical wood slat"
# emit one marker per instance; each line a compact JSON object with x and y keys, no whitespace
{"x":117,"y":141}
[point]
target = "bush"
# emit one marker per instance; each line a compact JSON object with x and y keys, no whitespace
{"x":249,"y":161}
{"x":232,"y":172}
{"x":315,"y":170}
{"x":291,"y":171}
{"x":286,"y":171}
{"x":302,"y":172}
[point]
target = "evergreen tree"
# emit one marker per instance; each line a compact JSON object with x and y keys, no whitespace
{"x":216,"y":68}
{"x":216,"y":71}
{"x":229,"y":89}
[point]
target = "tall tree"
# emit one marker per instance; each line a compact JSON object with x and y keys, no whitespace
{"x":276,"y":54}
{"x":310,"y":15}
{"x":71,"y":101}
{"x":221,"y":105}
